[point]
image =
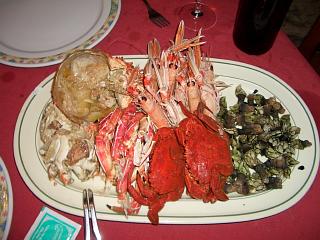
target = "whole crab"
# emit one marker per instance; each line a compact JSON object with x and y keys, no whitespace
{"x":165,"y":178}
{"x":207,"y":156}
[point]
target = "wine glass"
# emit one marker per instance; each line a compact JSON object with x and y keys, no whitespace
{"x":197,"y":15}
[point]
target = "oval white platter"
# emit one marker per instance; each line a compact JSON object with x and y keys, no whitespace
{"x":37,"y":33}
{"x":186,"y":210}
{"x":6,"y":200}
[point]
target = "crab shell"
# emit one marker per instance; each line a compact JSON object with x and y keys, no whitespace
{"x":167,"y":162}
{"x":79,"y":87}
{"x":165,"y":179}
{"x":208,"y":159}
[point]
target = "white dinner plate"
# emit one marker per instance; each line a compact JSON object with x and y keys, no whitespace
{"x":38,"y":33}
{"x":186,"y":210}
{"x":6,"y":201}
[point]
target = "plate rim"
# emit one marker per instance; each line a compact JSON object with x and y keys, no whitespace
{"x":10,"y":199}
{"x":108,"y":24}
{"x":248,"y":216}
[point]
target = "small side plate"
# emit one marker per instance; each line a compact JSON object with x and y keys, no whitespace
{"x":6,"y":201}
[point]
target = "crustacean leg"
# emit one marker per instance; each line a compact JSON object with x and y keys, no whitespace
{"x":144,"y":144}
{"x":144,"y":141}
{"x":211,"y":192}
{"x":103,"y":141}
{"x":173,"y":112}
{"x":180,"y":93}
{"x":55,"y":156}
{"x":145,"y":195}
{"x":123,"y":154}
{"x":131,"y":209}
{"x":134,"y":84}
{"x":126,"y":131}
{"x":122,"y":150}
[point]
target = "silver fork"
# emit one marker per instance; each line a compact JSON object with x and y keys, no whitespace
{"x":90,"y":213}
{"x":156,"y":17}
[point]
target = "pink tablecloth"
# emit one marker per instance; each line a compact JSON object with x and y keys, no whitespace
{"x":130,"y":36}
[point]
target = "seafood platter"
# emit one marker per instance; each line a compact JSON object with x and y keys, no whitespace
{"x":170,"y":137}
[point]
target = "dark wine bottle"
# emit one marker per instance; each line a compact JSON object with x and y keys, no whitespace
{"x":258,"y":23}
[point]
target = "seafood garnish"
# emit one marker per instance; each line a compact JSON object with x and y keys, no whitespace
{"x":67,"y":147}
{"x":157,"y":132}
